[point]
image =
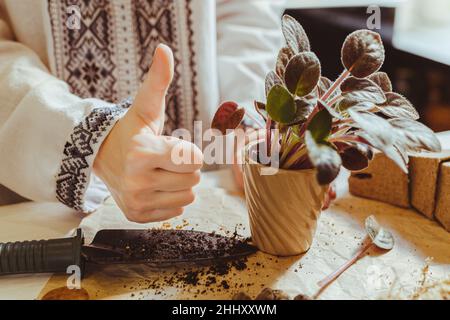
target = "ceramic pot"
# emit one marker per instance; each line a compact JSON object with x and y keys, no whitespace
{"x":283,"y":208}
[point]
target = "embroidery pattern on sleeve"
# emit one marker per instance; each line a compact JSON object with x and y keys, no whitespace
{"x":73,"y":176}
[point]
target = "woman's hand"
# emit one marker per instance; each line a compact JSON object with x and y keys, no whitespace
{"x":138,"y":165}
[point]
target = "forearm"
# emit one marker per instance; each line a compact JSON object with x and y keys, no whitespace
{"x":48,"y":136}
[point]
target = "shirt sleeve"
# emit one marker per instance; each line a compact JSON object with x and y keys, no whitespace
{"x":248,"y":39}
{"x":48,"y":137}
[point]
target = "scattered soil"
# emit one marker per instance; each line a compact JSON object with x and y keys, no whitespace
{"x":269,"y":294}
{"x":181,"y":245}
{"x":198,"y":281}
{"x":225,"y":255}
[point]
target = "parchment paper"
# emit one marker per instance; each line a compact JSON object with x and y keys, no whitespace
{"x":420,"y":258}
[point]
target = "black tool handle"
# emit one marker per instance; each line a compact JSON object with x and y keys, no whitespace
{"x":42,"y":256}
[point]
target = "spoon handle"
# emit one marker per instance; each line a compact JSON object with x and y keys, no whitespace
{"x":333,"y":276}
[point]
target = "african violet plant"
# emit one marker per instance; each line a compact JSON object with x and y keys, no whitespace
{"x":325,"y":124}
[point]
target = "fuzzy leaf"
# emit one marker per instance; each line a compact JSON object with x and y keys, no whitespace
{"x":389,"y":150}
{"x":362,"y":53}
{"x":228,"y":116}
{"x":284,"y":55}
{"x":272,"y":79}
{"x":373,"y":125}
{"x":320,"y":125}
{"x":403,"y":152}
{"x":397,"y":106}
{"x":260,"y":105}
{"x":362,"y":90}
{"x":379,"y":133}
{"x":334,"y":113}
{"x":382,"y":80}
{"x":414,"y":136}
{"x":324,"y":85}
{"x":280,"y":105}
{"x":354,"y":159}
{"x":295,"y":35}
{"x":365,"y":149}
{"x":346,"y":103}
{"x":304,"y":109}
{"x":302,"y":73}
{"x":324,"y":157}
{"x":260,"y":109}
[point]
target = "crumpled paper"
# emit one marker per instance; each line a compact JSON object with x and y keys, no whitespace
{"x":420,"y":257}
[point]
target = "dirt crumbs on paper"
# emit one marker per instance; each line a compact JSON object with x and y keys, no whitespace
{"x":427,"y":288}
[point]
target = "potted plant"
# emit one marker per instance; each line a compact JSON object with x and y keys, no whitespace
{"x":314,"y":126}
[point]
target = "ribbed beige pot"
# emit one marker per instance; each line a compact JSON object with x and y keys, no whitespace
{"x":283,"y":208}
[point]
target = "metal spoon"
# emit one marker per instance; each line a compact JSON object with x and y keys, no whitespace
{"x":378,"y":236}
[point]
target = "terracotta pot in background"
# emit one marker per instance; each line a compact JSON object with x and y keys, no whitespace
{"x":283,"y":208}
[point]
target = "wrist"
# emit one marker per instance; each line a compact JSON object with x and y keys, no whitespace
{"x":106,"y":163}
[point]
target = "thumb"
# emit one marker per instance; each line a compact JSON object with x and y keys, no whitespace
{"x":150,"y":100}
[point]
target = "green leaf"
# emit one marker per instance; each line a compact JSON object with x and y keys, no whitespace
{"x":362,"y":53}
{"x":302,"y":73}
{"x":382,"y":80}
{"x":324,"y":158}
{"x":397,"y":106}
{"x":295,"y":35}
{"x":228,"y":117}
{"x":280,"y":105}
{"x":284,"y":55}
{"x":272,"y":79}
{"x":414,"y":136}
{"x":320,"y":125}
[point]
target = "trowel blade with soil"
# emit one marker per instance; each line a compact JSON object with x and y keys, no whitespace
{"x":163,"y":248}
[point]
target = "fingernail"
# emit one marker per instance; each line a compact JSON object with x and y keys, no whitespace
{"x":157,"y":63}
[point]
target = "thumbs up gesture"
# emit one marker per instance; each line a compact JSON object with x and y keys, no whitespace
{"x":135,"y":160}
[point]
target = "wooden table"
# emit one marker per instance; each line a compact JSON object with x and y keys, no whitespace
{"x":421,"y":245}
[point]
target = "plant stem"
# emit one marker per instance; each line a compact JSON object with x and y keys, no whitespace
{"x":348,"y":138}
{"x":299,"y":163}
{"x":336,"y":83}
{"x":327,"y":94}
{"x":295,"y":157}
{"x":342,"y":121}
{"x":268,"y":134}
{"x":310,"y":117}
{"x":287,"y":150}
{"x":275,"y":142}
{"x":333,"y":101}
{"x":284,"y":140}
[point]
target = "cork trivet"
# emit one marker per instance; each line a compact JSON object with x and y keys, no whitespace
{"x":442,"y":212}
{"x":424,"y":173}
{"x":383,"y":180}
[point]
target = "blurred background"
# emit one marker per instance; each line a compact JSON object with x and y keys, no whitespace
{"x":416,"y":35}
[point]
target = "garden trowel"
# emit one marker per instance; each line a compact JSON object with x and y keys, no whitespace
{"x":155,"y":248}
